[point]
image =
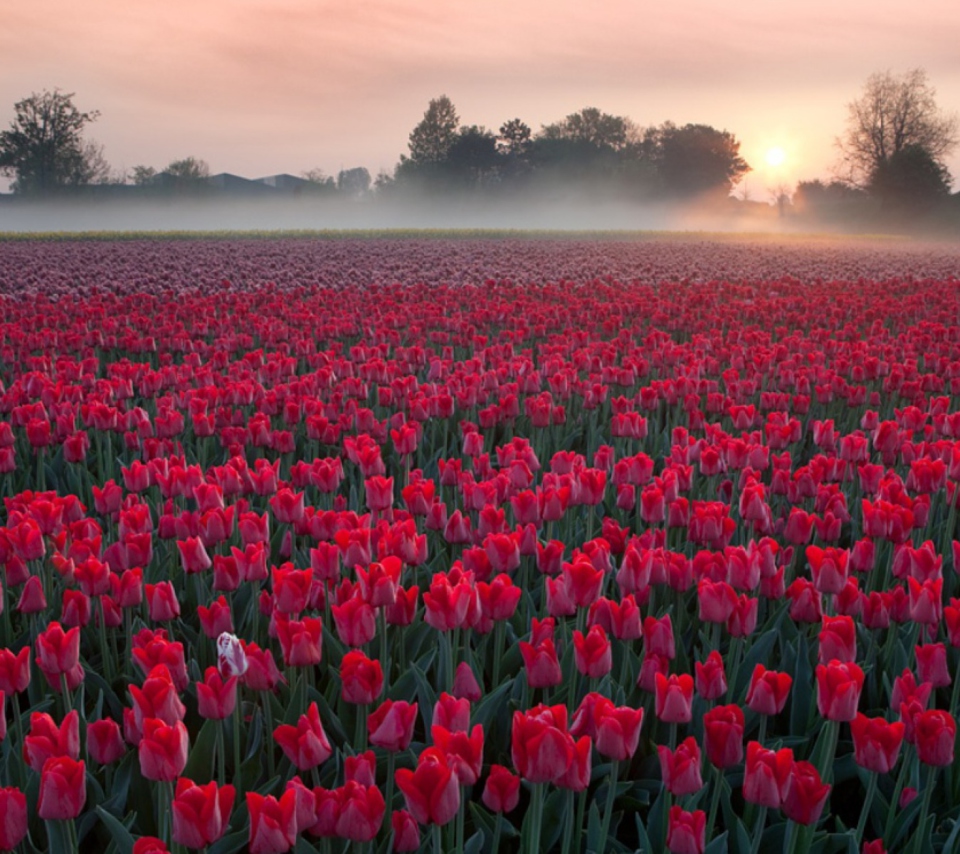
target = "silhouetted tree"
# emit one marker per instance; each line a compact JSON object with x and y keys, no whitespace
{"x":353,"y":182}
{"x":472,"y":160}
{"x":910,"y":181}
{"x":44,"y":147}
{"x":591,"y":127}
{"x":894,"y":113}
{"x":319,"y":180}
{"x":143,"y":175}
{"x":188,"y":170}
{"x":695,"y":159}
{"x":431,"y":139}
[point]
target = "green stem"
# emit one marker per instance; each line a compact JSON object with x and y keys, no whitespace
{"x":568,"y":829}
{"x":918,"y":837}
{"x":437,"y":841}
{"x":865,"y":810}
{"x":360,"y":730}
{"x":715,"y":800}
{"x":608,"y":808}
{"x":762,"y":735}
{"x":268,"y":740}
{"x":536,"y":806}
{"x":237,"y":781}
{"x":391,"y":770}
{"x":460,"y":819}
{"x":758,"y":831}
{"x":498,"y":650}
{"x":222,"y":754}
{"x":905,"y":765}
{"x":790,"y":837}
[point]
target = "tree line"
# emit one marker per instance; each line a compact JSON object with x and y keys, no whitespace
{"x":892,"y":151}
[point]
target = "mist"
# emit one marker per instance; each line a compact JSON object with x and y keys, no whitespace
{"x":562,"y":211}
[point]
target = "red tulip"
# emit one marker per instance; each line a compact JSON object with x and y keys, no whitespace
{"x":709,"y":677}
{"x":300,"y":640}
{"x":362,"y":678}
{"x":13,"y":818}
{"x":104,"y":741}
{"x":46,"y":740}
{"x":541,"y":747}
{"x":674,"y":698}
{"x":680,"y":769}
{"x":163,"y":750}
{"x":723,"y":735}
{"x":157,"y":698}
{"x":361,"y":811}
{"x":14,"y":671}
{"x":406,"y":831}
{"x":150,"y":845}
{"x":686,"y":831}
{"x":162,"y":602}
{"x":261,"y":673}
{"x":464,"y":753}
{"x":768,"y":691}
{"x":932,"y":664}
{"x":838,"y":690}
{"x":432,"y":791}
{"x":193,"y":555}
{"x":451,"y":712}
{"x":592,"y":652}
{"x":618,"y":729}
{"x":201,"y":813}
{"x":273,"y":823}
{"x":63,"y":789}
{"x":876,"y":743}
{"x":838,"y":640}
{"x":391,"y":725}
{"x":935,"y":732}
{"x":805,"y":794}
{"x":58,"y":651}
{"x":216,"y":697}
{"x":355,"y":621}
{"x":502,"y":790}
{"x":305,"y":744}
{"x":541,"y":663}
{"x":765,"y":775}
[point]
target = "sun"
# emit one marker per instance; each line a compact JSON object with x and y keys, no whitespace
{"x":775,"y":156}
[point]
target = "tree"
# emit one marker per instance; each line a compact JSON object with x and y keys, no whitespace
{"x":472,"y":159}
{"x":695,"y":159}
{"x":353,"y":182}
{"x":319,"y":179}
{"x":892,"y":114}
{"x":188,"y":170}
{"x":44,"y":147}
{"x":911,"y":179}
{"x":431,"y":139}
{"x":593,"y":128}
{"x":514,"y":139}
{"x":143,"y":175}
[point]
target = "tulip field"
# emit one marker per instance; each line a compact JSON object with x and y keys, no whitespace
{"x":479,"y":543}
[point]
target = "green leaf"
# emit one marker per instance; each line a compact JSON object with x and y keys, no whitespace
{"x":801,"y":691}
{"x":118,"y":830}
{"x":200,"y":761}
{"x":230,"y":844}
{"x":718,"y":845}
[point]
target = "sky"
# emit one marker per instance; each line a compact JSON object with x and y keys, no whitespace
{"x":258,"y":87}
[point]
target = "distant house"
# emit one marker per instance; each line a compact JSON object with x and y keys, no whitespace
{"x":284,"y":182}
{"x":224,"y":182}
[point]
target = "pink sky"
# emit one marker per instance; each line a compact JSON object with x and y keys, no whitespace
{"x":256,"y":87}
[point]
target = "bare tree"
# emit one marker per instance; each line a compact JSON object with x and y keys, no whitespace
{"x":892,"y":114}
